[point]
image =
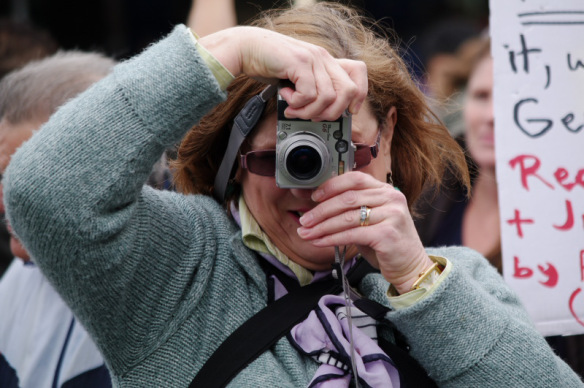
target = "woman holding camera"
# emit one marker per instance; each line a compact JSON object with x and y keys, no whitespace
{"x":162,"y":279}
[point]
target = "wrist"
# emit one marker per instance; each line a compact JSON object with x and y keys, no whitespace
{"x":404,"y":283}
{"x":224,"y":45}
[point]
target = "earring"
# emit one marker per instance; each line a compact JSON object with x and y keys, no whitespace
{"x":389,"y":179}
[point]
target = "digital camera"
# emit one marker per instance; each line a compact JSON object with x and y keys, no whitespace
{"x":308,"y":153}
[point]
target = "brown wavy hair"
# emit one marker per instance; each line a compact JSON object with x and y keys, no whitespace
{"x":422,"y":147}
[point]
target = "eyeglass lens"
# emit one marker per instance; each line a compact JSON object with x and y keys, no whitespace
{"x":261,"y":162}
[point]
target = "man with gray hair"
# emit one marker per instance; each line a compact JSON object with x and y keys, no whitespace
{"x":41,"y":342}
{"x":20,"y":43}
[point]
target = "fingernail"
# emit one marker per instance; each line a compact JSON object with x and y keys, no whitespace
{"x":317,"y":195}
{"x":306,"y":219}
{"x":301,"y":231}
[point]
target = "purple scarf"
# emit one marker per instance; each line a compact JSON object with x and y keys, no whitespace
{"x":324,"y":336}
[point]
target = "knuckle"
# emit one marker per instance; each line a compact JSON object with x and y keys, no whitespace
{"x":401,"y":198}
{"x":360,"y":179}
{"x":349,"y":217}
{"x":318,"y":212}
{"x":321,"y":51}
{"x":318,"y":230}
{"x":328,"y":96}
{"x":388,"y":231}
{"x":399,"y":212}
{"x":329,"y":187}
{"x":349,"y":197}
{"x":307,"y":96}
{"x":352,"y":90}
{"x":303,"y":55}
{"x":361,"y":65}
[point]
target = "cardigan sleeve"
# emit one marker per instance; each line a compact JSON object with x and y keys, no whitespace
{"x":472,"y":331}
{"x":123,"y":256}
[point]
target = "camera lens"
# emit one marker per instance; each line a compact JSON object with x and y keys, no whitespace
{"x":303,"y":162}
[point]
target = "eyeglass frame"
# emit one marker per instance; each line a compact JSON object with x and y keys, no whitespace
{"x":373,"y":149}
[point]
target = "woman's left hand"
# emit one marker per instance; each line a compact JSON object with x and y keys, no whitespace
{"x":389,"y":242}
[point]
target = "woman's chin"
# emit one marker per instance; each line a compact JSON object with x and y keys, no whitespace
{"x":319,"y":259}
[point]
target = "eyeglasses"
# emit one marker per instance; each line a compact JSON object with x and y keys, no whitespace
{"x":263,"y":162}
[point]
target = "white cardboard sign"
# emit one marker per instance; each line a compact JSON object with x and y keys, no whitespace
{"x":538,"y":51}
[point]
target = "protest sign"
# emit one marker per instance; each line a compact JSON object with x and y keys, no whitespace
{"x":539,"y":139}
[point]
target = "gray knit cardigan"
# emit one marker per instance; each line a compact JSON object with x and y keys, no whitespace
{"x":160,"y":279}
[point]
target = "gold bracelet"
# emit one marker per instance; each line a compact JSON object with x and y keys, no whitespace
{"x":428,"y":277}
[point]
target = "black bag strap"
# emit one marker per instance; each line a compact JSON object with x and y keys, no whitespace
{"x":266,"y":327}
{"x":411,"y":373}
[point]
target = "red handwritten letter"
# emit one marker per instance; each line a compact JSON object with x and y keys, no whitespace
{"x":551,"y":273}
{"x":580,"y":178}
{"x":520,"y":272}
{"x":561,"y":174}
{"x":528,"y":170}
{"x":570,"y":219}
{"x":571,"y":306}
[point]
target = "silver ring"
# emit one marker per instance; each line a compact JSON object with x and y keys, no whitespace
{"x":364,"y":218}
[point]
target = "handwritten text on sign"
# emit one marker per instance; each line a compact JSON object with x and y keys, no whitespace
{"x":539,"y":138}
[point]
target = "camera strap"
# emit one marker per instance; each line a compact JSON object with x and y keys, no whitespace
{"x":243,"y":124}
{"x":339,"y":274}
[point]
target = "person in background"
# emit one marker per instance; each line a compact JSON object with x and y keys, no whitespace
{"x":451,"y":217}
{"x":20,"y":43}
{"x":208,"y":16}
{"x":160,"y":279}
{"x":42,"y":344}
{"x":441,"y":47}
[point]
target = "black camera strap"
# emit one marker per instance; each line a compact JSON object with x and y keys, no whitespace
{"x":243,"y":123}
{"x":264,"y":329}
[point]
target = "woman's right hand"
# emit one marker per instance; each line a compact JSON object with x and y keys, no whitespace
{"x":324,"y":86}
